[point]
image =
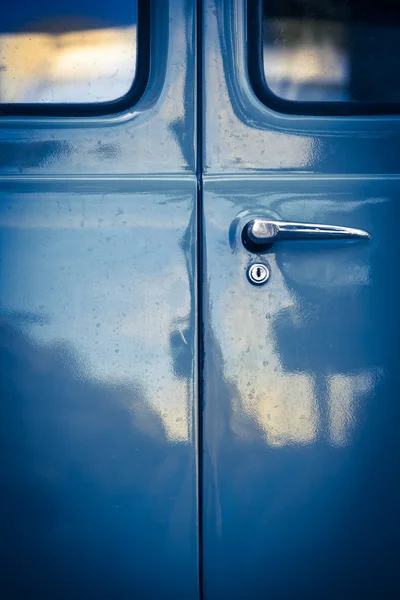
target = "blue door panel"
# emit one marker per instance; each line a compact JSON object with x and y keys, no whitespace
{"x":155,"y":136}
{"x":99,"y":352}
{"x":242,"y":136}
{"x":98,"y":389}
{"x":301,"y":397}
{"x":98,"y":341}
{"x":301,"y":386}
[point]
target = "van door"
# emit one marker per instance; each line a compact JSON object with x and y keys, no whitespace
{"x":98,"y":221}
{"x":300,"y":431}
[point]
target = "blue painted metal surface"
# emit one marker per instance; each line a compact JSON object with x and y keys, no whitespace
{"x":98,"y":225}
{"x":301,"y":385}
{"x":98,"y":336}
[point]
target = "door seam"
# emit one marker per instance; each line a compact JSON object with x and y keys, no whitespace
{"x":200,"y":326}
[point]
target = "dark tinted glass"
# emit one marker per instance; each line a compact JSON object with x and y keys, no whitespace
{"x":332,"y":50}
{"x":67,"y":51}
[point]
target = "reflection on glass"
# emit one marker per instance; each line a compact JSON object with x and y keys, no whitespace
{"x":73,"y":58}
{"x":332,"y":51}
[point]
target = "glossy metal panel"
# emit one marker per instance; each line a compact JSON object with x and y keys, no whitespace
{"x":301,"y":386}
{"x":154,"y":136}
{"x":98,"y":342}
{"x":301,"y":445}
{"x":243,"y":136}
{"x":98,"y":390}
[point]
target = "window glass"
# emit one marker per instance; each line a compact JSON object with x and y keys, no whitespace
{"x":332,"y":50}
{"x":69,"y":51}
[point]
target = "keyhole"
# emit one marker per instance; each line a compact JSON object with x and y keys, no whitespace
{"x":258,"y":273}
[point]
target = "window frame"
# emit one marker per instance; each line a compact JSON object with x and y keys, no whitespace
{"x":262,"y":90}
{"x":93,"y":109}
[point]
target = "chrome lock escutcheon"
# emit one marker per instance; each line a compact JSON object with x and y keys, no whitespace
{"x":258,"y":273}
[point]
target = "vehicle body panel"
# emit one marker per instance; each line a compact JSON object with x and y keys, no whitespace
{"x":98,"y":222}
{"x":301,"y":388}
{"x":297,"y":381}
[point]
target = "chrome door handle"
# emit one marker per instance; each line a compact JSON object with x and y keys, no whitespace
{"x":261,"y":233}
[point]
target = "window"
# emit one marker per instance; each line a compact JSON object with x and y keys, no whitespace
{"x":335,"y":53}
{"x":68,"y":52}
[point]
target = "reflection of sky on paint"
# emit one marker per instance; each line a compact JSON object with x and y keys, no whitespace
{"x":228,"y":137}
{"x":345,"y":392}
{"x":93,"y":270}
{"x":285,"y":405}
{"x":225,"y":133}
{"x":281,"y":403}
